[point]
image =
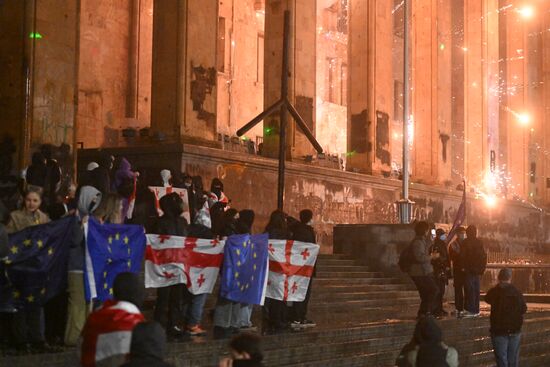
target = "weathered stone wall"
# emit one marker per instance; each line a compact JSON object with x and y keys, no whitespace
{"x":337,"y":197}
{"x":104,"y":73}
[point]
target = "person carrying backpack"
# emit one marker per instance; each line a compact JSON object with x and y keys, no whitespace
{"x":474,"y":262}
{"x":416,"y":261}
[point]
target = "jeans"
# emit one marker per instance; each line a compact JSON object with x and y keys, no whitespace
{"x":428,"y":293}
{"x":506,"y":348}
{"x":195,"y":309}
{"x":229,"y":314}
{"x":472,"y":293}
{"x":459,"y":286}
{"x":298,"y":310}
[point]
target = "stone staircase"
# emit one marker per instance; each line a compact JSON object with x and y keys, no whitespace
{"x":364,"y":318}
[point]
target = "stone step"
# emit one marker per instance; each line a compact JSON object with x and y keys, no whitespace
{"x":357,"y":281}
{"x":334,"y":257}
{"x":345,"y":296}
{"x":348,"y":274}
{"x":337,"y":305}
{"x":344,"y":268}
{"x":343,"y":287}
{"x":335,"y":262}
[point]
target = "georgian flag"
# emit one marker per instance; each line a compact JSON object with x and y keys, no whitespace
{"x":171,"y":260}
{"x":290,"y":269}
{"x":107,"y":334}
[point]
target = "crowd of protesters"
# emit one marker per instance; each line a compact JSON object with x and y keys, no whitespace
{"x":105,"y":191}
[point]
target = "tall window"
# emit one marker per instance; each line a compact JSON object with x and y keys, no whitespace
{"x":344,"y":84}
{"x":331,"y":78}
{"x":221,"y":45}
{"x":260,"y":59}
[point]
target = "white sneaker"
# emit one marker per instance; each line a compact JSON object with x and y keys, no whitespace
{"x":469,"y":315}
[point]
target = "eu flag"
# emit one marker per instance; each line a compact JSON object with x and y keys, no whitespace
{"x":111,"y":249}
{"x":36,"y":267}
{"x":245,"y":268}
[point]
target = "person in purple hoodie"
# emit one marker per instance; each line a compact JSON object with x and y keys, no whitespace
{"x":124,"y":184}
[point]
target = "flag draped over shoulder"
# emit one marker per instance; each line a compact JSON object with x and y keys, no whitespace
{"x":244,"y":268}
{"x":36,"y":267}
{"x":291,"y":266}
{"x":111,"y":249}
{"x":173,"y":260}
{"x":460,"y":217}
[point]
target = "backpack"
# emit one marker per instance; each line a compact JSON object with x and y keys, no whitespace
{"x":406,"y":258}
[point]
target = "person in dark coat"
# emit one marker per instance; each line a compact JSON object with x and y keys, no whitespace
{"x":426,"y":349}
{"x":37,"y":171}
{"x":274,"y":310}
{"x":101,"y":178}
{"x":474,"y":262}
{"x":303,"y":231}
{"x":229,"y":225}
{"x":507,"y":310}
{"x":245,"y":350}
{"x":441,"y":266}
{"x":148,"y":346}
{"x":170,"y":300}
{"x":459,"y":278}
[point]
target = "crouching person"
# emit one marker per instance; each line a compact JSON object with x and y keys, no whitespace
{"x":107,"y":334}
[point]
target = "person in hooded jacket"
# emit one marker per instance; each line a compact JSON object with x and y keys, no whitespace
{"x":101,"y":177}
{"x":169,"y":304}
{"x":274,"y":310}
{"x":37,"y":171}
{"x":426,"y":349}
{"x":89,"y":199}
{"x":216,"y":193}
{"x":165,"y":178}
{"x":507,"y":310}
{"x":474,"y":261}
{"x":231,"y":317}
{"x":229,"y":223}
{"x":303,"y":231}
{"x":148,"y":346}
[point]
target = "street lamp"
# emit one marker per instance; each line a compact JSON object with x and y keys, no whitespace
{"x":405,"y":205}
{"x":523,"y":118}
{"x":526,"y":11}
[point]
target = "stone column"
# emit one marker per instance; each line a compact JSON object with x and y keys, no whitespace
{"x":545,"y":79}
{"x":370,"y":88}
{"x":424,"y":58}
{"x":302,"y":72}
{"x":184,"y":69}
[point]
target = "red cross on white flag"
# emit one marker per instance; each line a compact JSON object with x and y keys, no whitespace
{"x":173,"y":260}
{"x":161,"y":191}
{"x":290,"y":268}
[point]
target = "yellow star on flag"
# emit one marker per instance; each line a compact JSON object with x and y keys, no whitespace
{"x":117,"y":236}
{"x":242,"y":288}
{"x":254,"y":255}
{"x":50,"y":251}
{"x":254,"y":266}
{"x":244,"y":244}
{"x":111,"y":291}
{"x":110,"y":239}
{"x":16,"y":294}
{"x":105,"y":286}
{"x":43,"y":291}
{"x":238,"y":263}
{"x":252,"y":246}
{"x":246,"y":286}
{"x":252,"y":278}
{"x":126,"y":239}
{"x":7,"y":261}
{"x":239,"y":284}
{"x":129,"y":264}
{"x":104,"y":274}
{"x":238,"y":251}
{"x":14,"y":250}
{"x":236,"y":274}
{"x":39,"y":243}
{"x":30,"y":298}
{"x":109,"y":261}
{"x":27,"y":242}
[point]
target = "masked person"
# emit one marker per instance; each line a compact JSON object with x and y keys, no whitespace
{"x":441,"y":267}
{"x":459,"y":277}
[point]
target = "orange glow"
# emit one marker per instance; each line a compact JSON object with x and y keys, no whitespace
{"x":526,"y":11}
{"x":523,"y":118}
